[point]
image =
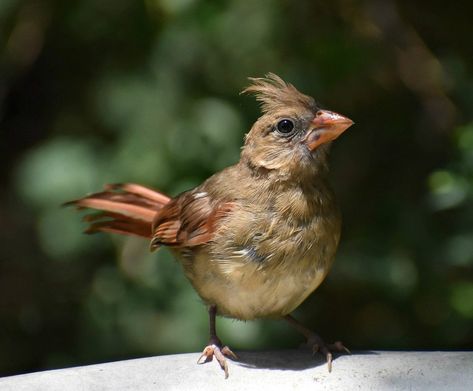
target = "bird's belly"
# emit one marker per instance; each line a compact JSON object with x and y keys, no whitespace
{"x":249,"y":292}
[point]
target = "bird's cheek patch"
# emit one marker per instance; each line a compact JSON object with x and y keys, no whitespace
{"x":316,"y":137}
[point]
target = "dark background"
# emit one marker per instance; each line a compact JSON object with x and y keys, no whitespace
{"x":93,"y":92}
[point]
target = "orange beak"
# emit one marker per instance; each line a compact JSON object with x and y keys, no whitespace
{"x":327,"y":126}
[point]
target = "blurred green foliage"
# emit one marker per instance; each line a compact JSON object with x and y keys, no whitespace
{"x":93,"y":92}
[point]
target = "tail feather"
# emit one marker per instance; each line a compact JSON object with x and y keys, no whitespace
{"x":146,"y":193}
{"x":106,"y":201}
{"x":123,"y":227}
{"x":127,"y":209}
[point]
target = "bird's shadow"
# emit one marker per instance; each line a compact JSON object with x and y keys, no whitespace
{"x":293,"y":359}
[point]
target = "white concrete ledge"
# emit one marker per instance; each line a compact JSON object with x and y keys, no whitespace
{"x":278,"y":370}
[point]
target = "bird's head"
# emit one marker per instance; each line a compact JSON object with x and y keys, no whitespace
{"x":292,"y":136}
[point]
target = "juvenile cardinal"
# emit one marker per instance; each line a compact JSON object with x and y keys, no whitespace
{"x":258,"y":237}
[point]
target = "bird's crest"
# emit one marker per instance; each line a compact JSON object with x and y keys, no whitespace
{"x":274,"y":93}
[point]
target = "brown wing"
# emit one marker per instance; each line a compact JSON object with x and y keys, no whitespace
{"x":188,"y":220}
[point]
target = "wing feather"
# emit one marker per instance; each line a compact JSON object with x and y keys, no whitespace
{"x":188,"y":220}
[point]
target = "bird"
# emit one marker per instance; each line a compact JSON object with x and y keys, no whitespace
{"x":257,"y":238}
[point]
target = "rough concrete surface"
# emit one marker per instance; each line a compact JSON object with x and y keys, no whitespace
{"x":277,"y":370}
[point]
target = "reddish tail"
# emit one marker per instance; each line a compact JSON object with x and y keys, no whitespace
{"x":126,"y":209}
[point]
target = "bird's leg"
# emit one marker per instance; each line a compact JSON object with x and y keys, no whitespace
{"x":215,"y":346}
{"x":316,"y":342}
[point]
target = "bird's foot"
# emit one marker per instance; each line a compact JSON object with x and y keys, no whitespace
{"x":317,"y":344}
{"x":215,"y":348}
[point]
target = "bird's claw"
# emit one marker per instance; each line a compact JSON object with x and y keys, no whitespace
{"x":319,"y":346}
{"x":214,"y":350}
{"x":339,"y":347}
{"x":227,"y":352}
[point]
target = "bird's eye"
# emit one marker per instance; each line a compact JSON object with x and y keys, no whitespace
{"x":285,"y":126}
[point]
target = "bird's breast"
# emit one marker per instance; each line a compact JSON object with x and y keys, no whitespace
{"x":263,"y":264}
{"x":249,"y":292}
